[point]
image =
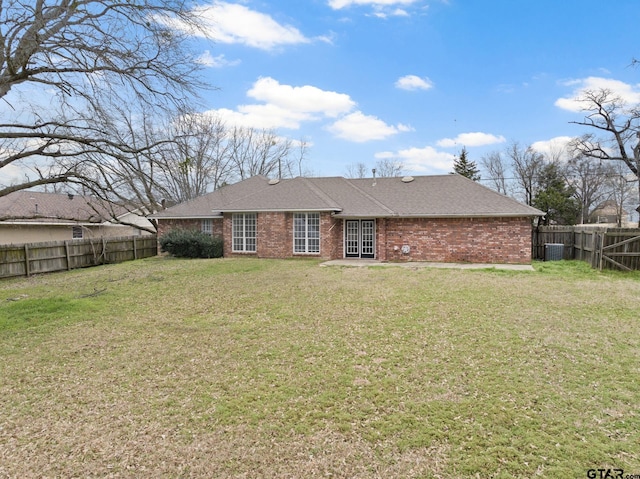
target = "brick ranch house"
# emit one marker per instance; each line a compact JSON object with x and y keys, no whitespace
{"x":446,"y":218}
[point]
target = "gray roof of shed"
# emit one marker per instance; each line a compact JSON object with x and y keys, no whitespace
{"x":423,"y":196}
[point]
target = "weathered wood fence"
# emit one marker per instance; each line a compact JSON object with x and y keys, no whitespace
{"x":35,"y":258}
{"x":610,"y":248}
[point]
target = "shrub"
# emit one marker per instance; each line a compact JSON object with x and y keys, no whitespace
{"x":191,"y":244}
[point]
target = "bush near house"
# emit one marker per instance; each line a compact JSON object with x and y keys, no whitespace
{"x":191,"y":244}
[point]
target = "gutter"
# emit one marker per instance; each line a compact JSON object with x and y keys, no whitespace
{"x":477,"y":215}
{"x":284,"y":210}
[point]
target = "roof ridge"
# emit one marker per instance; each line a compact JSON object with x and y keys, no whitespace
{"x":321,"y":194}
{"x":253,"y":192}
{"x":369,"y":197}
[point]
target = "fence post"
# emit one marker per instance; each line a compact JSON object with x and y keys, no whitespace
{"x":135,"y":251}
{"x":66,"y":252}
{"x":601,"y":248}
{"x":27,"y":270}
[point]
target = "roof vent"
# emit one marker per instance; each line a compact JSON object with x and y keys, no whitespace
{"x":407,"y":179}
{"x":274,"y":181}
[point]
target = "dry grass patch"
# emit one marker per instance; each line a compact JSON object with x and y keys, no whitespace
{"x":256,"y":368}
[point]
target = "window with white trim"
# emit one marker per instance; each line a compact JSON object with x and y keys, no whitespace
{"x":76,"y":232}
{"x":306,"y":233}
{"x":244,"y":232}
{"x":207,"y":227}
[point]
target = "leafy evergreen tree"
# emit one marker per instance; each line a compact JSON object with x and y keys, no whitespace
{"x":464,"y":167}
{"x":555,"y":197}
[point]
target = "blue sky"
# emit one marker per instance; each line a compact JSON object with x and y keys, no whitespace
{"x":415,"y":80}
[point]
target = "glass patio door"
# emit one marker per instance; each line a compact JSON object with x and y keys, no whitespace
{"x":359,"y":239}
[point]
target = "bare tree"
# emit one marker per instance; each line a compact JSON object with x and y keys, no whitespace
{"x":58,"y":56}
{"x":262,"y":152}
{"x":495,"y":165}
{"x":622,"y":190}
{"x":589,"y":179}
{"x":388,"y":168}
{"x":196,"y":159}
{"x":135,"y":178}
{"x":356,"y":170}
{"x":177,"y":158}
{"x":611,"y":116}
{"x":527,"y":165}
{"x":297,"y":163}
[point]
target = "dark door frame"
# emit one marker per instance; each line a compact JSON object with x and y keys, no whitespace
{"x":360,"y":238}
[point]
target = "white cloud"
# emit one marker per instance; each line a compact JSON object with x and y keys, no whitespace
{"x":286,"y":106}
{"x":220,"y":61}
{"x":553,"y":148}
{"x":12,"y":174}
{"x":413,"y":82}
{"x":422,"y":160}
{"x":262,"y":117}
{"x":339,"y":4}
{"x":379,"y":8}
{"x":398,"y":12}
{"x":359,"y":128}
{"x":471,"y":139}
{"x":304,"y":99}
{"x":629,"y":93}
{"x":233,"y":23}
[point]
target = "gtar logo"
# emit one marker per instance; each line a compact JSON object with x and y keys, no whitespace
{"x":605,"y":473}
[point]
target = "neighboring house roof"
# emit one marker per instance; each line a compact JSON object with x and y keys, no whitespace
{"x":608,"y":207}
{"x":421,"y":196}
{"x":55,"y":208}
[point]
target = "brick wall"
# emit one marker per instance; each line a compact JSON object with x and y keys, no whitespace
{"x":331,"y":231}
{"x":469,"y":240}
{"x":275,"y":236}
{"x":453,"y":240}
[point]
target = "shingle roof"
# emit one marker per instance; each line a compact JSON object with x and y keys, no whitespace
{"x":212,"y":204}
{"x":39,"y":207}
{"x":422,"y":196}
{"x":443,"y":195}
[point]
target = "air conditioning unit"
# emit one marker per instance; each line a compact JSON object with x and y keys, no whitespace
{"x":553,"y":251}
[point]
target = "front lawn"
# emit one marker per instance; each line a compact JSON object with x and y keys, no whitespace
{"x":284,"y":369}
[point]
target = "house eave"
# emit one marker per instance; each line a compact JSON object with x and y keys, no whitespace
{"x":283,"y":210}
{"x":478,"y":215}
{"x":50,"y":223}
{"x":189,"y":217}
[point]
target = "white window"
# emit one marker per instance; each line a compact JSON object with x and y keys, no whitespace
{"x":76,"y":232}
{"x":306,"y":233}
{"x":244,"y":232}
{"x":207,"y":227}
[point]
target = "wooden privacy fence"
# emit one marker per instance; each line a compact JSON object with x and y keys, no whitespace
{"x":612,"y":248}
{"x":35,"y":258}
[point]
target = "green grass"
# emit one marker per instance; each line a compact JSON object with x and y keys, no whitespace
{"x":265,"y":368}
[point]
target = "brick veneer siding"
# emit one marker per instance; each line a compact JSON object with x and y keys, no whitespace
{"x":450,"y":240}
{"x":274,"y":236}
{"x":453,"y":240}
